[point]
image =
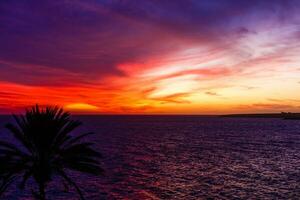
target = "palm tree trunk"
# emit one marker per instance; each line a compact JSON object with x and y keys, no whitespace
{"x":42,"y":195}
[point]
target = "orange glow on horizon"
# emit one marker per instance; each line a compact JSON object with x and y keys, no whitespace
{"x":81,"y":107}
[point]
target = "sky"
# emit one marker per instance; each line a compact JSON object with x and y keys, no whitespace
{"x":150,"y":56}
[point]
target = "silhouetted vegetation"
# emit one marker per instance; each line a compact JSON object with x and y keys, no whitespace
{"x":48,"y":150}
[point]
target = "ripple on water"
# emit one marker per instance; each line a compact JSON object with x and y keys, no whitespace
{"x":185,"y":157}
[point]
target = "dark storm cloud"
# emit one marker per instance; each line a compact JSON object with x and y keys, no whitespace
{"x":92,"y":38}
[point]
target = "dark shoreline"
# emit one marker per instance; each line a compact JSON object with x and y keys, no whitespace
{"x":283,"y":115}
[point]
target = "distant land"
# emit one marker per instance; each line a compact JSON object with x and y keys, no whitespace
{"x":282,"y":115}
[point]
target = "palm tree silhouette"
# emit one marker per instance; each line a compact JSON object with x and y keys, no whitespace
{"x":48,"y":150}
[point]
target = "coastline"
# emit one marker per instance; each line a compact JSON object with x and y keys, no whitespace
{"x":282,"y":115}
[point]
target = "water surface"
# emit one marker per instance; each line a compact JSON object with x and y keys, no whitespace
{"x":188,"y":157}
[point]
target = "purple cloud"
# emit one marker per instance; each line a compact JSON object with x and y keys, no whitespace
{"x":83,"y":41}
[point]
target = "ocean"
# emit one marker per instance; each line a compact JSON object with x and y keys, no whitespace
{"x":185,"y":157}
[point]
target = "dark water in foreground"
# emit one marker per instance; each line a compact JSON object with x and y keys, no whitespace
{"x":181,"y":157}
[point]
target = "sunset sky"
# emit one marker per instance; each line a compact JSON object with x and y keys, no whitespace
{"x":151,"y":56}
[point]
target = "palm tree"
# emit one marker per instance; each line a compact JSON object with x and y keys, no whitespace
{"x":49,"y":149}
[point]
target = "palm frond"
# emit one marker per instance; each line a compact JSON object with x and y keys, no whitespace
{"x":46,"y":134}
{"x":71,"y":182}
{"x":63,"y":134}
{"x":25,"y":177}
{"x":71,"y":141}
{"x":5,"y":182}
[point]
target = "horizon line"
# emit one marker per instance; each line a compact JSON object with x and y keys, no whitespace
{"x":162,"y":114}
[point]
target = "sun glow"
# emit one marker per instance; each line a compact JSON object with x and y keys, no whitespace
{"x":81,"y":107}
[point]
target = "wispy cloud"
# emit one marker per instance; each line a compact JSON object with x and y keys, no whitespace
{"x":212,"y":93}
{"x":143,"y":56}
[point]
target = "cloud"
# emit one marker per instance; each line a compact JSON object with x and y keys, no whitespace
{"x":202,"y":73}
{"x":92,"y":38}
{"x":212,"y":93}
{"x":135,"y":109}
{"x":135,"y":55}
{"x":177,"y":98}
{"x":284,"y":100}
{"x":249,"y":87}
{"x":269,"y":107}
